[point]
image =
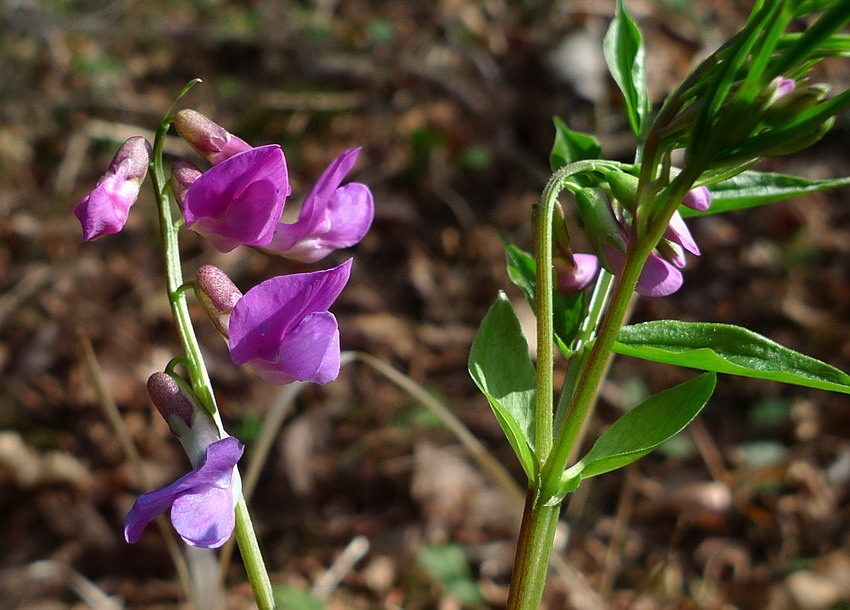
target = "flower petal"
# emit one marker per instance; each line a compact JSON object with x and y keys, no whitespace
{"x":261,"y":319}
{"x":240,"y":200}
{"x":313,"y":219}
{"x":677,"y":232}
{"x":309,"y":352}
{"x":105,"y":210}
{"x":205,"y":518}
{"x":658,"y":278}
{"x":216,"y":471}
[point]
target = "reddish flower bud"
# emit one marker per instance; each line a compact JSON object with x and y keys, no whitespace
{"x":183,"y":175}
{"x":217,"y":295}
{"x":208,"y":138}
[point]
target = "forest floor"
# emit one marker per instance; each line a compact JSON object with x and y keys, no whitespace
{"x":365,"y":499}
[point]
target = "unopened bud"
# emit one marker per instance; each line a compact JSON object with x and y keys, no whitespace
{"x":217,"y":295}
{"x":600,"y":224}
{"x":208,"y":138}
{"x":183,"y":412}
{"x":135,"y":156}
{"x":624,"y":188}
{"x":781,"y":86}
{"x":174,"y":400}
{"x":183,"y":175}
{"x":794,"y":102}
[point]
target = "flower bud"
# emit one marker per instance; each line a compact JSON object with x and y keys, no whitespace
{"x":209,"y":139}
{"x":698,"y":198}
{"x":792,"y":103}
{"x":217,"y":295}
{"x":186,"y":417}
{"x":624,"y":188}
{"x":104,"y":211}
{"x":183,"y":174}
{"x":600,"y":224}
{"x":781,"y":87}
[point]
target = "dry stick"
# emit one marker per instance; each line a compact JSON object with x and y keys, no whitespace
{"x":113,"y":416}
{"x":351,"y":554}
{"x":477,"y":451}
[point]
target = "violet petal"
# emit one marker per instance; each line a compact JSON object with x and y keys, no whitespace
{"x":215,"y":472}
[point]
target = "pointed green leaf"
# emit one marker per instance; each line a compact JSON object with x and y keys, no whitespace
{"x":625,"y":55}
{"x":750,"y":189}
{"x":655,"y":420}
{"x":567,"y":310}
{"x":724,"y":348}
{"x":501,"y":367}
{"x":571,"y":146}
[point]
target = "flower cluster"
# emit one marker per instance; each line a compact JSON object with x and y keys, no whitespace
{"x":281,"y":327}
{"x":661,"y":274}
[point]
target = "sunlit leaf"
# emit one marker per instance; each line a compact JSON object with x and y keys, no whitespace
{"x":725,"y":348}
{"x":501,"y":367}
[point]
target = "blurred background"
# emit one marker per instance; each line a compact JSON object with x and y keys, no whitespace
{"x":452,"y":102}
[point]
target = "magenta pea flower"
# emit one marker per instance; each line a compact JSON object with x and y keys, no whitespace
{"x":104,"y":211}
{"x":331,"y":217}
{"x":282,"y":327}
{"x":239,"y":201}
{"x":202,"y":502}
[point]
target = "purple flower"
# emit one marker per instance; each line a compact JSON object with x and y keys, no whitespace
{"x":575,"y":277}
{"x":678,"y":233}
{"x":105,"y":209}
{"x":657,"y":279}
{"x":208,"y":138}
{"x":331,"y":216}
{"x":202,"y":502}
{"x":282,"y":327}
{"x":698,"y":199}
{"x":239,"y":200}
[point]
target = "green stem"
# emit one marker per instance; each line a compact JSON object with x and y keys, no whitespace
{"x":252,"y":558}
{"x":543,"y":409}
{"x":197,"y":369}
{"x":594,"y":369}
{"x":532,"y":554}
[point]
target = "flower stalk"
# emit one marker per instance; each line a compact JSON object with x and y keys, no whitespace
{"x":199,"y":378}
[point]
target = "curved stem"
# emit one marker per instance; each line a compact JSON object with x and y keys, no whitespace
{"x":198,"y":376}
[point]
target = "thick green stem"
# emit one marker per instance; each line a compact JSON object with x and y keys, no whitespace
{"x":591,"y":375}
{"x":197,"y":369}
{"x":532,"y":554}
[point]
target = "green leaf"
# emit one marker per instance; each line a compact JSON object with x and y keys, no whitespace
{"x":625,"y":55}
{"x":750,"y":189}
{"x":571,"y":146}
{"x":568,"y":311}
{"x":501,"y":367}
{"x":652,"y":422}
{"x":724,"y":348}
{"x":290,"y":598}
{"x":448,"y":564}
